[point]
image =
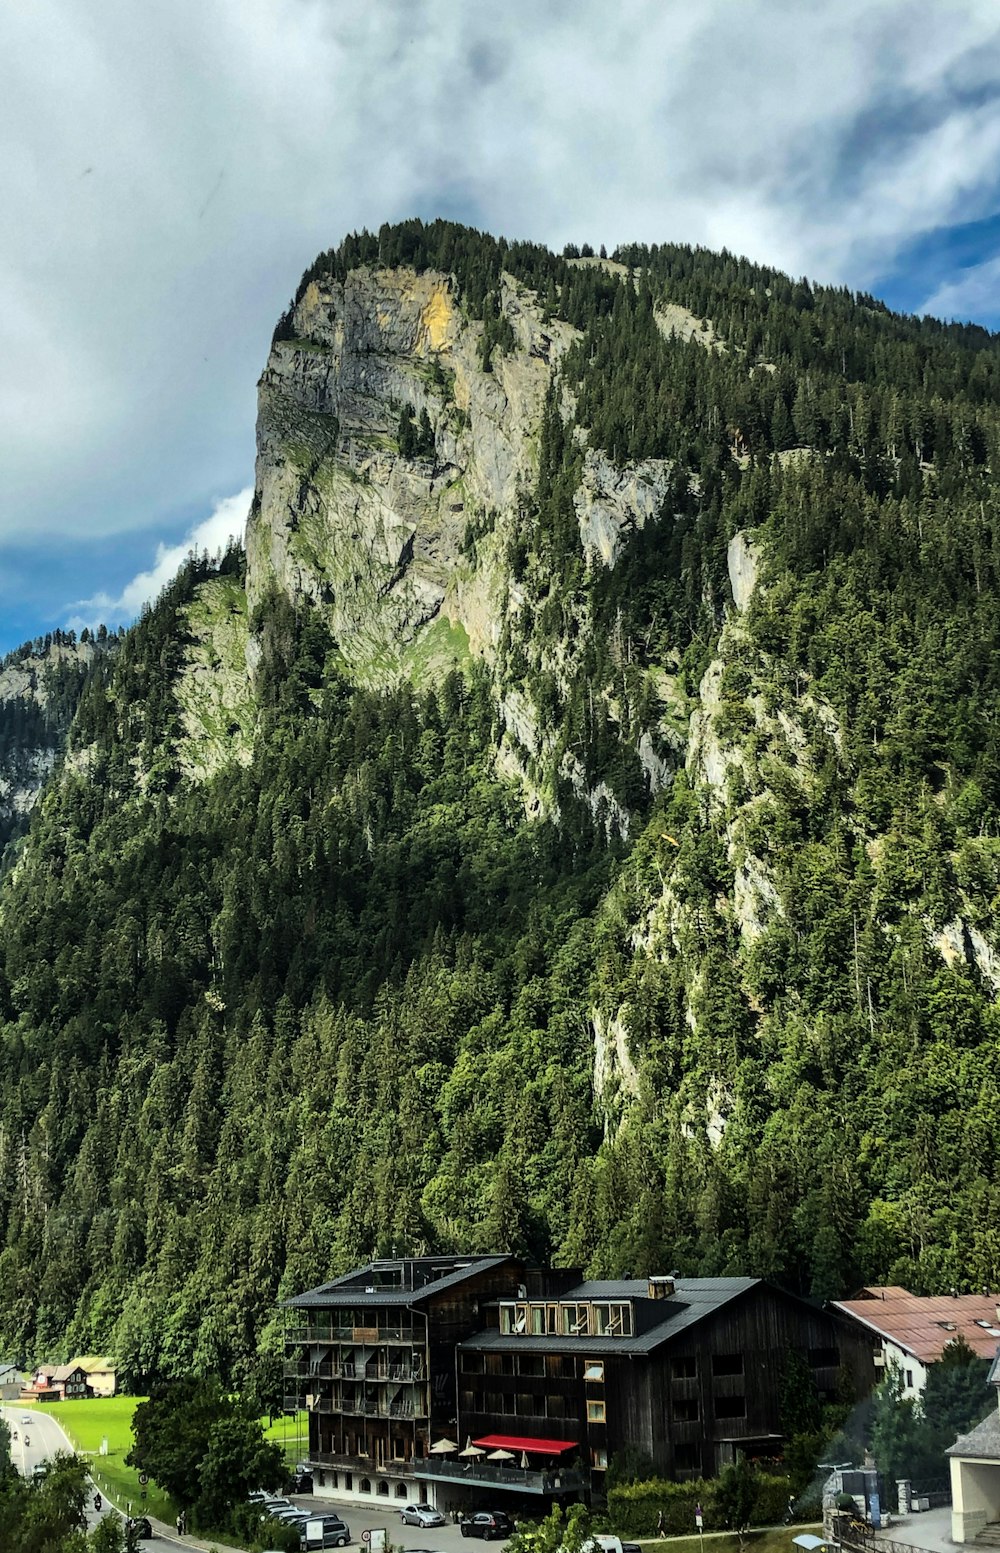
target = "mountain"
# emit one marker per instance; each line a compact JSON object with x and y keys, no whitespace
{"x":571,"y":824}
{"x":40,"y":684}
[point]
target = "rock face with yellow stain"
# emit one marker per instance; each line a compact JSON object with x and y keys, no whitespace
{"x":379,"y":541}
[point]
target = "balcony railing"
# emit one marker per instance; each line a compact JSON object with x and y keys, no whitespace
{"x":523,"y":1480}
{"x":366,"y":1466}
{"x":309,"y":1332}
{"x":307,"y":1369}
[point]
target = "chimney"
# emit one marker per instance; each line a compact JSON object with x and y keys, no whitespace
{"x":660,"y":1287}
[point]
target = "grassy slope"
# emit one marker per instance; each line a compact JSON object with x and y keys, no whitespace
{"x":89,"y":1421}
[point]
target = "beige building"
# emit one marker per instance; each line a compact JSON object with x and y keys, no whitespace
{"x":975,"y":1475}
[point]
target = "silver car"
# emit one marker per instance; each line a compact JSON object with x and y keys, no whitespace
{"x":421,"y":1515}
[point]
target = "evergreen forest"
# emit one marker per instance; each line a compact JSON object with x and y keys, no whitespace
{"x":726,"y":1004}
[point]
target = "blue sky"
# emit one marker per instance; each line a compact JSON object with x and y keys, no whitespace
{"x":167,"y":171}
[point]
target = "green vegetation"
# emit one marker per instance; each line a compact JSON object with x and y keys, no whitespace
{"x":207,"y":1450}
{"x":910,"y":1436}
{"x":343,"y":998}
{"x":88,"y":1422}
{"x":47,"y":1514}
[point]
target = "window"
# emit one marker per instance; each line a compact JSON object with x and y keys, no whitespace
{"x":530,"y":1364}
{"x":382,"y":1487}
{"x":687,"y":1458}
{"x":568,"y":1366}
{"x":909,"y":1377}
{"x":686,"y":1410}
{"x":824,"y":1358}
{"x":594,"y":1371}
{"x":525,"y":1404}
{"x":348,"y":1482}
{"x":472,"y":1363}
{"x":493,"y":1401}
{"x":538,"y":1320}
{"x":684,"y":1367}
{"x":365,"y":1486}
{"x":596,"y":1413}
{"x":555,"y":1406}
{"x":493,"y":1363}
{"x":727,"y":1364}
{"x":599,"y":1458}
{"x":506,"y":1318}
{"x":552,"y":1318}
{"x":506,"y":1364}
{"x":730,"y":1407}
{"x":401,"y":1491}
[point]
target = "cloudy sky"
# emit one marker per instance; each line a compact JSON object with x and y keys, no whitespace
{"x":168,"y":169}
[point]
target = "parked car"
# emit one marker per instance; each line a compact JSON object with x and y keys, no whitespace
{"x":421,"y":1515}
{"x":488,"y":1524}
{"x":141,"y":1525}
{"x":302,"y":1481}
{"x":272,"y":1506}
{"x":324,"y":1531}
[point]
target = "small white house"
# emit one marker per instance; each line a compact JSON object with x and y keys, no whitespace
{"x":912,"y":1331}
{"x":975,"y":1474}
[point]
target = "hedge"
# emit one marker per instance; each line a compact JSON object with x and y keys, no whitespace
{"x":634,"y":1508}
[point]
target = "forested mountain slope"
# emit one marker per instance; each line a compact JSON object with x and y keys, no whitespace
{"x":39,"y":686}
{"x":572,"y":826}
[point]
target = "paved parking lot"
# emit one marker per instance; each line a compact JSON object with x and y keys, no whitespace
{"x":362,"y":1517}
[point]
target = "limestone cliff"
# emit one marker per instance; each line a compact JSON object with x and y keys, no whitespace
{"x":380,"y":540}
{"x":39,"y":687}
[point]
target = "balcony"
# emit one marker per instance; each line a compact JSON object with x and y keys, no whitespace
{"x":372,"y":1337}
{"x":521,"y":1480}
{"x":307,"y":1369}
{"x":364,"y":1466}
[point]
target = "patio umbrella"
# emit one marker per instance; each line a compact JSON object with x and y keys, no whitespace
{"x":442,"y":1447}
{"x":471,"y":1450}
{"x":524,"y":1459}
{"x":500,"y":1455}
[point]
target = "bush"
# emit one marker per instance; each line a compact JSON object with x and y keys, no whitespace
{"x":634,"y":1508}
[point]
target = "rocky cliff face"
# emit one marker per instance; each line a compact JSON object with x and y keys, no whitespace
{"x":39,"y":686}
{"x":378,"y":540}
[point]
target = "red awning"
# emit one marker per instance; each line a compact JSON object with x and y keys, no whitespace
{"x":517,"y":1442}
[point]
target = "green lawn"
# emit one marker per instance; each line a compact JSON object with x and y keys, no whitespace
{"x":291,"y":1432}
{"x":89,"y":1421}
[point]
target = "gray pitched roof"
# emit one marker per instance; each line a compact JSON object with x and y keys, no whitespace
{"x":429,"y":1276}
{"x":982,"y":1442}
{"x":693,"y":1300}
{"x":993,"y":1377}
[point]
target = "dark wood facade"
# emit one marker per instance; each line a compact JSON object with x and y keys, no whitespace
{"x":690,"y":1401}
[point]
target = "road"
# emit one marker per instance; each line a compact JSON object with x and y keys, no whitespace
{"x":39,"y":1440}
{"x":34,"y":1439}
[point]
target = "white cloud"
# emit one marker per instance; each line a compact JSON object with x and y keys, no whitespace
{"x":226,"y":521}
{"x":974,"y":294}
{"x":166,"y":172}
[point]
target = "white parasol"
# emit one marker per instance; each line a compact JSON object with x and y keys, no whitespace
{"x":442,"y":1447}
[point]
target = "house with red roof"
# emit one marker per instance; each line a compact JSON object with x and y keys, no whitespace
{"x":913,"y":1330}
